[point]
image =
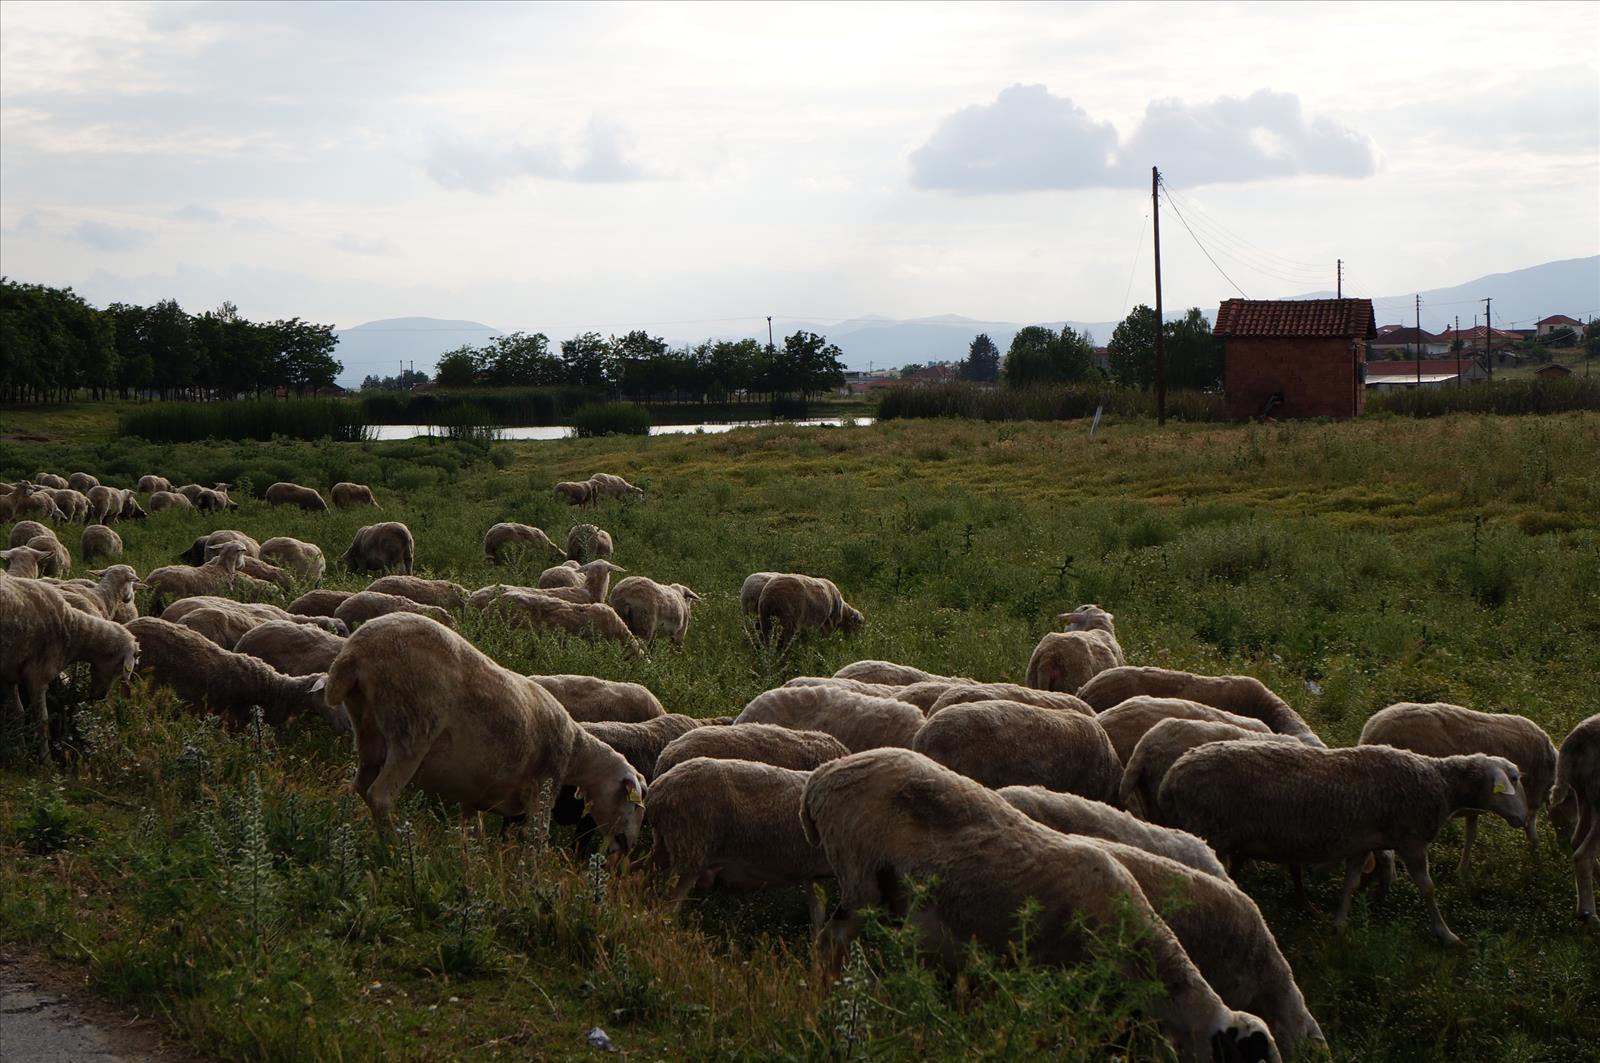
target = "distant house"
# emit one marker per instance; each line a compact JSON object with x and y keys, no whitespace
{"x":1434,"y":373}
{"x":1553,"y":371}
{"x":1295,"y":357}
{"x":1557,"y":321}
{"x":1403,"y":340}
{"x":330,"y":391}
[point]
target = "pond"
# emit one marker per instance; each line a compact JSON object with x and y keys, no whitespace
{"x":410,"y":431}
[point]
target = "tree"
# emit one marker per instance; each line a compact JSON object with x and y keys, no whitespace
{"x":1194,"y":355}
{"x":983,"y":360}
{"x":457,"y":368}
{"x":303,"y":356}
{"x":521,"y":360}
{"x":1039,"y":356}
{"x":1131,"y":354}
{"x":588,"y":360}
{"x":806,"y":363}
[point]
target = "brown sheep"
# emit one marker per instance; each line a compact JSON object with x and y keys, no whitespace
{"x":1577,"y":790}
{"x":591,"y":700}
{"x":963,"y":693}
{"x":99,"y":541}
{"x":320,"y":602}
{"x":161,"y":500}
{"x":860,"y":721}
{"x":576,"y":493}
{"x":25,"y":530}
{"x":293,"y":649}
{"x":84,"y":483}
{"x":541,"y":612}
{"x":288,"y":494}
{"x":1242,"y":695}
{"x":440,"y":592}
{"x":762,"y":743}
{"x":148,"y":484}
{"x":1007,"y":743}
{"x":367,"y":605}
{"x":648,"y":607}
{"x":304,"y":559}
{"x":1159,"y":748}
{"x":381,"y":548}
{"x":1127,"y":723}
{"x":585,"y":542}
{"x":607,"y":485}
{"x":565,"y":574}
{"x":347,"y":495}
{"x":509,"y":535}
{"x":1066,"y":660}
{"x":794,"y":602}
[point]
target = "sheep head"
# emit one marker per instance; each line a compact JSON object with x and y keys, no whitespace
{"x":1088,"y":618}
{"x":617,"y":805}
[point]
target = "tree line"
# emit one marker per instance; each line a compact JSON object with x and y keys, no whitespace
{"x":54,"y":345}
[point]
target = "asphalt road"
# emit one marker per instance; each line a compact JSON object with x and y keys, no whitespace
{"x":45,"y":1018}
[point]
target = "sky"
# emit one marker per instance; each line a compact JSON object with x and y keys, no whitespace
{"x":691,"y":169}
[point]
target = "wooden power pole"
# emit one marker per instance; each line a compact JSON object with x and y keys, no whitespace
{"x":1338,"y":271}
{"x":1418,"y":338}
{"x":1488,"y":352}
{"x":1161,"y":354}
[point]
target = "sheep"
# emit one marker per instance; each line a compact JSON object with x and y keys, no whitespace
{"x":572,"y":582}
{"x":83,"y":482}
{"x":381,"y":548}
{"x":1066,"y":660}
{"x":1159,"y":748}
{"x":192,"y":491}
{"x":1127,"y":723}
{"x":283,"y":493}
{"x":182,"y":581}
{"x":1296,"y":804}
{"x":212,"y":501}
{"x":293,"y":649}
{"x":1007,"y":743}
{"x":539,"y":611}
{"x":28,"y":499}
{"x":109,"y":596}
{"x":439,"y":592}
{"x":750,"y":591}
{"x":57,"y":560}
{"x":763,"y":743}
{"x":585,"y":542}
{"x":607,"y":485}
{"x":648,"y":607}
{"x":162,"y":500}
{"x":99,"y":541}
{"x":1578,"y":785}
{"x":40,"y":635}
{"x":25,"y":530}
{"x":73,"y":504}
{"x":1242,"y":695}
{"x":480,"y":598}
{"x":257,"y":569}
{"x":591,"y":700}
{"x":209,"y":678}
{"x":734,"y":822}
{"x":858,"y":720}
{"x":303,"y":559}
{"x":511,"y":535}
{"x":205,"y":547}
{"x":257,"y":612}
{"x":113,"y":503}
{"x":962,"y":693}
{"x":469,"y":731}
{"x":223,"y":627}
{"x":367,"y":605}
{"x":149,"y":484}
{"x":320,"y":602}
{"x":890,"y":815}
{"x":1075,"y":814}
{"x":795,"y":602}
{"x":576,"y":493}
{"x":1441,"y":730}
{"x":50,"y":479}
{"x":640,"y":742}
{"x":347,"y":495}
{"x":23,"y":562}
{"x":565,"y":574}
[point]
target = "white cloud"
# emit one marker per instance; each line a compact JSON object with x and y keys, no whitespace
{"x":105,"y":237}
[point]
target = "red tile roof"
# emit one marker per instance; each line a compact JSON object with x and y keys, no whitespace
{"x":1391,"y":335}
{"x":1408,"y":366}
{"x":1296,"y":317}
{"x":1559,"y":319}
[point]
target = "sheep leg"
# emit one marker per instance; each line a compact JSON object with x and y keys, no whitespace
{"x":1416,"y":861}
{"x":1531,"y":829}
{"x":397,"y":770}
{"x":1583,"y":859}
{"x":817,"y":906}
{"x":1298,"y":874}
{"x":41,"y":718}
{"x":1352,"y":878}
{"x":1463,"y":868}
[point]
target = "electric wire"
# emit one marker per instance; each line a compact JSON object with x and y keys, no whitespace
{"x":1202,"y":247}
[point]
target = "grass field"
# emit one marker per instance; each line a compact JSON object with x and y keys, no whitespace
{"x":230,"y":883}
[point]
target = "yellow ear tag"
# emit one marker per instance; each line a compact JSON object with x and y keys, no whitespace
{"x":1500,"y":787}
{"x":634,"y":796}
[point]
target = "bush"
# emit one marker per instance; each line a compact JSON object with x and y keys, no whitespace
{"x":188,"y":422}
{"x":1508,"y":397}
{"x":610,"y":418}
{"x":1044,"y":402}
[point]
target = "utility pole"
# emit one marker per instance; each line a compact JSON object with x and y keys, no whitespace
{"x":1161,"y":354}
{"x":1418,"y":338}
{"x":1338,"y":269}
{"x":1455,"y":341}
{"x":1488,"y":354}
{"x":769,"y":333}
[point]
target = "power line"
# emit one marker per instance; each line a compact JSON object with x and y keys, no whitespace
{"x":1202,"y":247}
{"x":1204,"y":220}
{"x":1138,"y":253}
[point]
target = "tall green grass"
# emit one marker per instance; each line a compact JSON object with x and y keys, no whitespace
{"x":188,"y":422}
{"x":610,"y":418}
{"x":1506,"y":397}
{"x":1043,"y":402}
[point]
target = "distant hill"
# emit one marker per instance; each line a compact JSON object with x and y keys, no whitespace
{"x":379,"y":347}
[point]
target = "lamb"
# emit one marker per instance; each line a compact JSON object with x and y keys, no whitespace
{"x":1578,"y":785}
{"x":84,"y":482}
{"x":439,"y":592}
{"x":161,"y":500}
{"x":1007,"y":743}
{"x":1159,"y":749}
{"x":794,"y":602}
{"x":1066,"y":660}
{"x":303,"y":559}
{"x":284,"y":493}
{"x":23,"y":562}
{"x":511,"y":535}
{"x":591,"y":700}
{"x":99,"y":541}
{"x":734,"y":822}
{"x":381,"y":548}
{"x":762,"y":743}
{"x":889,"y":815}
{"x":539,"y":611}
{"x":319,"y":602}
{"x":347,"y":495}
{"x":111,"y":598}
{"x":361,"y":607}
{"x":857,"y":720}
{"x":648,"y":607}
{"x":1242,"y":695}
{"x":1441,"y":730}
{"x":607,"y":485}
{"x":40,"y":635}
{"x":1073,"y":814}
{"x":205,"y":547}
{"x":73,"y":504}
{"x":1298,"y":804}
{"x":1128,"y":722}
{"x":891,"y":674}
{"x":50,"y":479}
{"x":585,"y":542}
{"x":182,"y":581}
{"x":210,"y":678}
{"x":469,"y":731}
{"x":148,"y":484}
{"x":963,"y":693}
{"x":293,"y":649}
{"x":565,"y":574}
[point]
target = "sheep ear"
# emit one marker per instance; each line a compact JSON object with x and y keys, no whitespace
{"x":320,"y":684}
{"x":634,"y":797}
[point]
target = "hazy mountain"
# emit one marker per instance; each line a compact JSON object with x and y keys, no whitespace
{"x":379,"y":347}
{"x":1521,"y":297}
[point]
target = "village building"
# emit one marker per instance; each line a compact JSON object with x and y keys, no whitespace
{"x":1295,"y":357}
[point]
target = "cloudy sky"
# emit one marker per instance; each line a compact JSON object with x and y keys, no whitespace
{"x":695,"y":168}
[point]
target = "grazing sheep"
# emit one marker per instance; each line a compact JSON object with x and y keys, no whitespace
{"x":1159,"y":748}
{"x":221,"y":626}
{"x":963,"y":693}
{"x":511,"y":535}
{"x":1577,"y":792}
{"x":40,"y":635}
{"x":25,"y":530}
{"x":480,"y":598}
{"x":1242,"y":695}
{"x":606,"y":485}
{"x":594,"y":580}
{"x":303,"y":559}
{"x":1441,"y":730}
{"x":585,"y":542}
{"x":648,"y":607}
{"x":57,"y":560}
{"x":293,"y":649}
{"x":99,"y":541}
{"x":257,"y":569}
{"x":148,"y":484}
{"x":591,"y":700}
{"x":23,"y":562}
{"x":733,"y":822}
{"x":889,"y":673}
{"x":368,"y":605}
{"x":440,"y":592}
{"x":576,"y":493}
{"x":381,"y":548}
{"x":1007,"y":743}
{"x":204,"y":548}
{"x":113,"y":503}
{"x":539,"y":611}
{"x":50,"y":479}
{"x":1075,"y":814}
{"x":109,"y":596}
{"x":183,"y":581}
{"x":469,"y":731}
{"x":641,"y":741}
{"x":192,"y":491}
{"x":860,"y":721}
{"x":347,"y":495}
{"x":319,"y":602}
{"x":922,"y":695}
{"x":890,"y":815}
{"x":1128,"y":722}
{"x":161,"y":500}
{"x":84,"y":482}
{"x":288,"y":494}
{"x":794,"y":602}
{"x":258,"y":612}
{"x":210,"y":678}
{"x":750,"y":591}
{"x":565,"y":574}
{"x":1296,"y":804}
{"x":1066,"y":660}
{"x":31,"y":500}
{"x":213,"y":501}
{"x":73,"y":504}
{"x":759,"y":742}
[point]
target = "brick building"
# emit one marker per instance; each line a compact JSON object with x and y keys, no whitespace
{"x":1295,"y":357}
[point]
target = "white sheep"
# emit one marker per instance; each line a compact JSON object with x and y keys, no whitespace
{"x":1075,"y":814}
{"x":1127,"y":723}
{"x":509,"y":534}
{"x":1577,"y":794}
{"x":440,"y":592}
{"x":648,"y":607}
{"x":381,"y":547}
{"x":1242,"y":695}
{"x":99,"y":541}
{"x":962,"y":693}
{"x":1066,"y":660}
{"x":887,"y":673}
{"x":182,"y":581}
{"x":760,"y":742}
{"x":291,"y":648}
{"x":347,"y":495}
{"x":586,"y":542}
{"x":365,"y":606}
{"x":541,"y":612}
{"x":591,"y":700}
{"x":792,"y":602}
{"x":1159,"y":748}
{"x":162,"y":500}
{"x":303,"y":559}
{"x":860,"y":721}
{"x":1007,"y":743}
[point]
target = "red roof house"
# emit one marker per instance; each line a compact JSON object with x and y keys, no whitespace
{"x":1295,"y":357}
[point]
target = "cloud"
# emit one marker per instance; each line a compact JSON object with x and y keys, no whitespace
{"x":363,"y":245}
{"x":600,"y":157}
{"x":197,"y":213}
{"x":1030,"y":140}
{"x":104,"y":237}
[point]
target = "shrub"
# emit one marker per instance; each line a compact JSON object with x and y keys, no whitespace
{"x":1044,"y":402}
{"x":187,"y":422}
{"x":610,"y":418}
{"x":1507,"y":397}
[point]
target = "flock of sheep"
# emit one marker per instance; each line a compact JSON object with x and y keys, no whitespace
{"x":1098,"y":789}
